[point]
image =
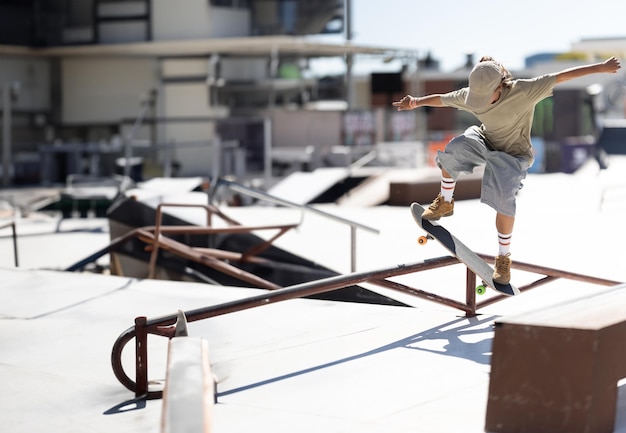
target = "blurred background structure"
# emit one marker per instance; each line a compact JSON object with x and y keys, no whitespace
{"x":151,"y":88}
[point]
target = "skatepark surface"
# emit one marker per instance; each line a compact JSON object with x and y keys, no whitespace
{"x":301,"y":365}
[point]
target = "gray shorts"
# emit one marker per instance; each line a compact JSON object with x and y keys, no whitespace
{"x":503,"y":172}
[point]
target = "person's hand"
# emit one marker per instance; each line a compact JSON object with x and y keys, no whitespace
{"x":611,"y":65}
{"x":403,"y":104}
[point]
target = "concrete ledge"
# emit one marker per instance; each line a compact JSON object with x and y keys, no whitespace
{"x":405,"y":193}
{"x":188,"y":396}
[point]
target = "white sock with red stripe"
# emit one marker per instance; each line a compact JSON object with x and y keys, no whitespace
{"x":504,"y":243}
{"x":447,"y":188}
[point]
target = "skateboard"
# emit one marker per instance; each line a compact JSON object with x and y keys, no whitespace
{"x":469,"y":258}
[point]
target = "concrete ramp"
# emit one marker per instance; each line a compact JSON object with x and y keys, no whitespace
{"x":366,"y":186}
{"x":304,"y":187}
{"x":375,"y":189}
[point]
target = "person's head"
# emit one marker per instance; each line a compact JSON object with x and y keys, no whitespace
{"x":486,"y":78}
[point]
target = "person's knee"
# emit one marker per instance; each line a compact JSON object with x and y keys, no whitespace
{"x":455,"y":144}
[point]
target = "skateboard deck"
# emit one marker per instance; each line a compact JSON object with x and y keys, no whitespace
{"x":469,"y":258}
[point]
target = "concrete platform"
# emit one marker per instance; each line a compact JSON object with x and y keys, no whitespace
{"x":300,"y":365}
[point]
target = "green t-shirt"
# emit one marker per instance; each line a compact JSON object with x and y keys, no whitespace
{"x":506,"y":124}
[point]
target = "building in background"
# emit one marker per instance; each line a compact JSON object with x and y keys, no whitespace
{"x":219,"y":87}
{"x":195,"y":82}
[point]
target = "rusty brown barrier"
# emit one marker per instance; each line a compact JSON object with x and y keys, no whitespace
{"x":165,"y":325}
{"x":156,"y":238}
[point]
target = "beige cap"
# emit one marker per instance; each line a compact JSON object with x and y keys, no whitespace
{"x":483,"y":81}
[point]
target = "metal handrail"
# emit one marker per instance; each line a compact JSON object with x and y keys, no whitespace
{"x":364,"y":160}
{"x":13,"y":228}
{"x":165,"y":325}
{"x":262,"y":195}
{"x":256,"y":193}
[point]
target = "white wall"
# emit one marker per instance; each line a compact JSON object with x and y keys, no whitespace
{"x":244,"y":68}
{"x":229,"y":22}
{"x":178,"y":68}
{"x":233,"y":68}
{"x":105,"y":90}
{"x":196,"y":19}
{"x":192,"y":139}
{"x":320,"y":129}
{"x":186,"y":99}
{"x":34,"y":78}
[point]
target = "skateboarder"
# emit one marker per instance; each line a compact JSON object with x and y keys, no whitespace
{"x":505,"y":108}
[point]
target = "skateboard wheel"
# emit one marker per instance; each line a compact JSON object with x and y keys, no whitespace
{"x":422,"y":240}
{"x":481,"y":290}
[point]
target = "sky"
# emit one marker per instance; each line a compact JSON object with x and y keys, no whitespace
{"x":509,"y":31}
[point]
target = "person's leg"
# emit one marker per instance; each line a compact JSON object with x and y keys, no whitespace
{"x":443,"y":204}
{"x":462,"y":154}
{"x":447,"y":186}
{"x":503,"y":176}
{"x":504,"y":225}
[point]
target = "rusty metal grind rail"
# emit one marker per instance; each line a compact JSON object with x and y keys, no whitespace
{"x":165,"y":325}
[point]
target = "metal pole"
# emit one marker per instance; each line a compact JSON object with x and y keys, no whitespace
{"x":352,"y":248}
{"x":167,"y":160}
{"x":128,"y":153}
{"x":141,"y":356}
{"x":17,"y":263}
{"x":267,"y":157}
{"x":6,"y":134}
{"x":349,"y":56}
{"x":216,"y":155}
{"x":422,"y":124}
{"x":128,"y":145}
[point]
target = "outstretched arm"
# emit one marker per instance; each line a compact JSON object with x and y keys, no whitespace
{"x":609,"y":66}
{"x":409,"y":102}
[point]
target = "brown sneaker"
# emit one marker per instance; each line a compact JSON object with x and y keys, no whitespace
{"x":502,"y":274}
{"x":439,"y":208}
